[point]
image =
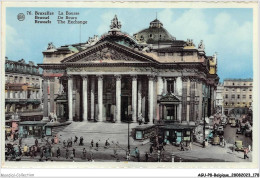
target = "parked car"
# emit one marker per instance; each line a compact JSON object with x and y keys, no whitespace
{"x":239,"y":131}
{"x":239,"y":146}
{"x":248,"y":133}
{"x":231,"y":119}
{"x":220,"y":130}
{"x":216,"y":140}
{"x":233,"y":123}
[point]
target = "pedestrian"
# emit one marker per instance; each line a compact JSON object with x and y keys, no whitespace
{"x":146,"y":157}
{"x":249,"y":148}
{"x":58,"y":152}
{"x":64,"y":143}
{"x":97,"y":146}
{"x":76,"y":139}
{"x":245,"y":153}
{"x":20,"y":141}
{"x":52,"y":140}
{"x":190,"y":146}
{"x":25,"y":150}
{"x":106,"y":144}
{"x":127,"y":156}
{"x":52,"y":151}
{"x":151,"y":149}
{"x":36,"y":142}
{"x":92,"y":143}
{"x":84,"y":153}
{"x":182,"y":146}
{"x":67,"y":153}
{"x":74,"y":152}
{"x":81,"y":141}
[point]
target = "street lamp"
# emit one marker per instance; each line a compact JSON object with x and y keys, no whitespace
{"x":204,"y":123}
{"x":128,"y":141}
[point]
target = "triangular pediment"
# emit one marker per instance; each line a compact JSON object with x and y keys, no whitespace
{"x":108,"y":52}
{"x":169,"y":97}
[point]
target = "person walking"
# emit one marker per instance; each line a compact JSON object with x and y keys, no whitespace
{"x":67,"y":153}
{"x":182,"y":147}
{"x":151,"y":149}
{"x":76,"y":139}
{"x":52,"y":140}
{"x":74,"y":152}
{"x":36,"y":142}
{"x":64,"y":144}
{"x":245,"y":153}
{"x":81,"y":141}
{"x":92,"y":143}
{"x":146,"y":157}
{"x":25,"y":150}
{"x":84,"y":152}
{"x":58,"y":152}
{"x":97,"y":146}
{"x":52,"y":151}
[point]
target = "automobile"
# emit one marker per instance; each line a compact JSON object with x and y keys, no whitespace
{"x":239,"y":131}
{"x":231,"y":119}
{"x":8,"y":130}
{"x":233,"y":123}
{"x":216,"y":140}
{"x":248,"y":133}
{"x":223,"y":123}
{"x":220,"y":130}
{"x":239,"y":146}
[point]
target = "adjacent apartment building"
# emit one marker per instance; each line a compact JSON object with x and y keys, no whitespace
{"x":237,"y":94}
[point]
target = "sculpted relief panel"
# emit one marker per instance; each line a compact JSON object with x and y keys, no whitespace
{"x":107,"y":54}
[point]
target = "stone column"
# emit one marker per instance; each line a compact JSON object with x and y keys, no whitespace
{"x":85,"y":97}
{"x":134,"y":97}
{"x":118,"y":98}
{"x":164,"y":86}
{"x":51,"y":94}
{"x":179,"y":112}
{"x":200,"y":108}
{"x":139,"y":109}
{"x":100,"y":98}
{"x":70,"y":97}
{"x":92,"y":98}
{"x":155,"y":117}
{"x":150,"y":99}
{"x":45,"y":97}
{"x":188,"y":101}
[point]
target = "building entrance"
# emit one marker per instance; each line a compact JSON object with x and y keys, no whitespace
{"x":124,"y":108}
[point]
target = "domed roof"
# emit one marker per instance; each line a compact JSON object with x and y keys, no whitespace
{"x":154,"y":33}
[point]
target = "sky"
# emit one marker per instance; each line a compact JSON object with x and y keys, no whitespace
{"x":226,"y":31}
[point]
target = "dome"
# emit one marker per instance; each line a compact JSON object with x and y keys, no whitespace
{"x":154,"y":33}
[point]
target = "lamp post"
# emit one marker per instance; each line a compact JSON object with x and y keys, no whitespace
{"x":204,"y":123}
{"x":128,"y":141}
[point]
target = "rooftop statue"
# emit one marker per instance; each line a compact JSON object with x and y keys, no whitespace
{"x":51,"y":46}
{"x":115,"y":24}
{"x":189,"y":42}
{"x":201,"y":45}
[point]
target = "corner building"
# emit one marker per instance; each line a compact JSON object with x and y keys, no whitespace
{"x":117,"y":77}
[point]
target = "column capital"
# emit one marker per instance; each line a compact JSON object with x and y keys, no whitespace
{"x":84,"y":77}
{"x":134,"y":77}
{"x":151,"y":77}
{"x":100,"y":77}
{"x":69,"y":76}
{"x":184,"y":79}
{"x":118,"y":77}
{"x":45,"y":77}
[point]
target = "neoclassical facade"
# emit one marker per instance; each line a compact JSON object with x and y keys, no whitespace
{"x":117,"y":77}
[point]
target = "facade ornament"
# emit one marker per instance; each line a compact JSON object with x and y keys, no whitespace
{"x":134,"y":77}
{"x":84,"y":77}
{"x":51,"y":46}
{"x":115,"y":24}
{"x":189,"y":42}
{"x":184,"y":79}
{"x":201,"y":46}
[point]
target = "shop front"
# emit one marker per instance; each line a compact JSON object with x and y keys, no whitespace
{"x":175,"y":133}
{"x":29,"y":129}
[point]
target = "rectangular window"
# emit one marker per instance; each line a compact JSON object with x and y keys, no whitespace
{"x":238,"y":96}
{"x":161,"y":54}
{"x":250,"y":96}
{"x":233,"y":96}
{"x":244,"y":96}
{"x":170,"y":86}
{"x":226,"y":96}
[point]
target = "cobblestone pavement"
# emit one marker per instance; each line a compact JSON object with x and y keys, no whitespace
{"x":119,"y":145}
